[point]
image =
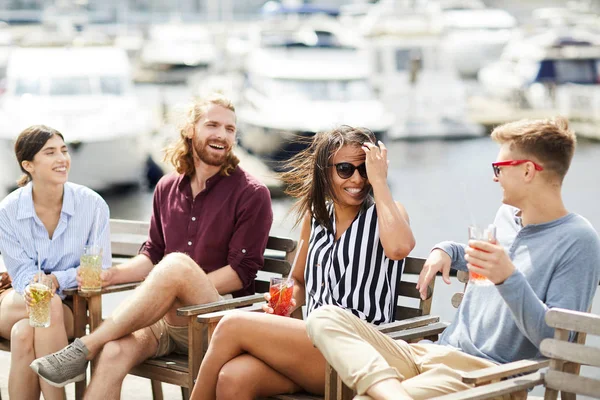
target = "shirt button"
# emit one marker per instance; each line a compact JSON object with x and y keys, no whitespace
{"x":189,"y":243}
{"x":244,"y":251}
{"x":193,"y":218}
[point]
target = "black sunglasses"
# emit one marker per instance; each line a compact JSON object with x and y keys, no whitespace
{"x":345,"y":170}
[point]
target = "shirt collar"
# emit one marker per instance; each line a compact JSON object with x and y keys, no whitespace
{"x":26,"y":209}
{"x":185,"y":183}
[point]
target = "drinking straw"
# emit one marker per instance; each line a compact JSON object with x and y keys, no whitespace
{"x":289,"y":278}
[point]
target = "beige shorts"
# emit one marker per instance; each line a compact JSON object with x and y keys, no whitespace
{"x":173,"y":338}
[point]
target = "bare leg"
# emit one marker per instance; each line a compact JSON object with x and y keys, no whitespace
{"x":51,"y":339}
{"x":246,"y":377}
{"x":177,"y":279}
{"x":116,"y":360}
{"x":23,"y":383}
{"x":12,"y":310}
{"x":279,"y":342}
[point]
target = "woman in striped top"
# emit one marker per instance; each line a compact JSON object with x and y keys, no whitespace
{"x":356,"y":236}
{"x":47,"y":221}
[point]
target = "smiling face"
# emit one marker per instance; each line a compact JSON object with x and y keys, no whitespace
{"x":511,"y":178}
{"x":51,"y":164}
{"x":354,"y":190}
{"x":214,"y":135}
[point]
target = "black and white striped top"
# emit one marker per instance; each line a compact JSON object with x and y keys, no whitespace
{"x":353,"y":272}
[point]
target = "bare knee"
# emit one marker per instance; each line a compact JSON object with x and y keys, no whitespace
{"x":113,"y":359}
{"x":231,"y":327}
{"x":323,"y":319}
{"x":233,"y":382}
{"x":176,"y":266}
{"x":21,"y":337}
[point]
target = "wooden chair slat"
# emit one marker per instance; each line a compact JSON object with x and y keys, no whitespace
{"x":281,"y":244}
{"x":129,"y":227}
{"x":503,"y":371}
{"x":408,"y":323}
{"x":409,"y":289}
{"x":130,"y":249}
{"x":413,"y":265}
{"x":419,"y":332}
{"x":495,"y":390}
{"x":261,"y":286}
{"x":574,"y":352}
{"x":573,"y":320}
{"x":403,"y":312}
{"x":220,"y":305}
{"x":216,"y":316}
{"x":572,"y":383}
{"x":282,"y":267}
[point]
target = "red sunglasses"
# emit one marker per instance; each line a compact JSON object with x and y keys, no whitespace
{"x":509,"y":163}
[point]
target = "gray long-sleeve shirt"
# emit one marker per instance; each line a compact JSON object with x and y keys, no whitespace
{"x":557,"y":265}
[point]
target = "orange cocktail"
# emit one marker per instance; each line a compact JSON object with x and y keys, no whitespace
{"x":485,"y":234}
{"x":281,"y":292}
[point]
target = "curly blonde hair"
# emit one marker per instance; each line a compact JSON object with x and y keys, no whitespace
{"x":549,"y":141}
{"x":180,"y":153}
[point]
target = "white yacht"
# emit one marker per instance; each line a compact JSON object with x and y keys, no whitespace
{"x":303,"y":84}
{"x":552,"y":73}
{"x":86,"y":93}
{"x":411,"y":70}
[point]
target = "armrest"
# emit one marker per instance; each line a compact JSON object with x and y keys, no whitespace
{"x":221,"y":305}
{"x":419,"y":332}
{"x":108,"y":289}
{"x":504,"y":371}
{"x":408,"y":323}
{"x":498,"y":389}
{"x":216,"y":316}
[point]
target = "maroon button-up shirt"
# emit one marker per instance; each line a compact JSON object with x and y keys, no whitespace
{"x":227,"y":223}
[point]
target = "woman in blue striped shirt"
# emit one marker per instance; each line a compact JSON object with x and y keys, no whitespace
{"x":50,"y":220}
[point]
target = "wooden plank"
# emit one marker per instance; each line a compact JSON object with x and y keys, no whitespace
{"x":282,"y":244}
{"x":157,"y":393}
{"x":216,"y":316}
{"x":419,"y":332}
{"x":413,"y":265}
{"x":408,"y":323}
{"x":409,"y":289}
{"x":122,"y":248}
{"x":108,"y":289}
{"x":504,"y":371}
{"x":407,"y":312}
{"x":573,"y":352}
{"x":261,"y":286}
{"x":558,"y":380}
{"x":220,"y":305}
{"x":282,"y":267}
{"x":497,"y":389}
{"x":175,"y":361}
{"x":573,"y":320}
{"x":129,"y":226}
{"x":196,"y":342}
{"x":331,"y":377}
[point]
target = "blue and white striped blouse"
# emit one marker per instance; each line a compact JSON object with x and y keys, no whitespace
{"x":23,"y":235}
{"x":353,"y":271}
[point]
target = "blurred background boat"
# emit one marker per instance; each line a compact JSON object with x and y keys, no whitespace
{"x":86,"y":93}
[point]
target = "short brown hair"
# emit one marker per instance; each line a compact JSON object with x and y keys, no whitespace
{"x":180,"y":154}
{"x":549,"y":141}
{"x":29,"y":143}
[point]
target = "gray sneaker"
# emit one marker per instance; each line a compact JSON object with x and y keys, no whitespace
{"x":63,"y":367}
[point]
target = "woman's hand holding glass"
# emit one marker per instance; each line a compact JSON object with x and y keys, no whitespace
{"x":269,"y":310}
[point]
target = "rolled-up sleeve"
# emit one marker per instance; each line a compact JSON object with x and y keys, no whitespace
{"x":154,"y":247}
{"x":249,"y":240}
{"x":21,"y":268}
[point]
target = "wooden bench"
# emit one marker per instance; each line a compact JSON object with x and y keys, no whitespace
{"x":126,"y":240}
{"x":561,"y":354}
{"x":413,"y":323}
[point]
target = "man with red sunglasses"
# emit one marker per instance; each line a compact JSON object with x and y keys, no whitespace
{"x":544,"y":257}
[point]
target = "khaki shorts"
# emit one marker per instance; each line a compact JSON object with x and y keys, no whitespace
{"x":173,"y":338}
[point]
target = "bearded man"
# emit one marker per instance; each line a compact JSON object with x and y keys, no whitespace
{"x":208,"y":232}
